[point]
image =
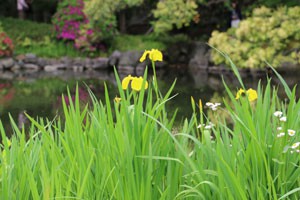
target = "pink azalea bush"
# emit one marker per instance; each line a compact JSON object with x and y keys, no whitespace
{"x":6,"y":45}
{"x":68,"y":19}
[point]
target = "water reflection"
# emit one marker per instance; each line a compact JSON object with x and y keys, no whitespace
{"x":40,"y":93}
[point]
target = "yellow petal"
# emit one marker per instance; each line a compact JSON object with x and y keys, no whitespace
{"x":117,"y":99}
{"x":240,"y":93}
{"x":136,"y":83}
{"x":126,"y":81}
{"x":252,"y":94}
{"x":144,"y":56}
{"x":156,"y":55}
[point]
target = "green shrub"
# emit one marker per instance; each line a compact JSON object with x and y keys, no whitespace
{"x":178,"y":13}
{"x":268,"y":35}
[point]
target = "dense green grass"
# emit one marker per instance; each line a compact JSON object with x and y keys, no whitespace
{"x":131,"y":150}
{"x":142,"y":42}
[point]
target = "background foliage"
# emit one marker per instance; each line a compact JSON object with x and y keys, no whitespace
{"x":268,"y":35}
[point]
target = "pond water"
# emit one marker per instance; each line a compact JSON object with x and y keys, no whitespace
{"x":40,"y":94}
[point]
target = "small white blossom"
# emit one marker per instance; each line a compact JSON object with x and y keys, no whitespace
{"x":298,"y":151}
{"x":291,"y":132}
{"x":200,"y":125}
{"x":209,"y":104}
{"x":278,"y":114}
{"x":213,"y":106}
{"x":283,"y":119}
{"x":279,"y":128}
{"x":280,"y":134}
{"x":295,"y":145}
{"x":208,"y":126}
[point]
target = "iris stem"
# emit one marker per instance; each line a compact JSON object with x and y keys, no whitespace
{"x":155,"y":79}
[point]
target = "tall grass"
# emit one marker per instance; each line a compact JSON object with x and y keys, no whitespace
{"x":132,"y":150}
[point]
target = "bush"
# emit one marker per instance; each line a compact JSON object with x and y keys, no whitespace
{"x":268,"y":35}
{"x":171,"y":13}
{"x":6,"y":44}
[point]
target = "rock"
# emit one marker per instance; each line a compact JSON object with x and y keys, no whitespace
{"x":7,"y":75}
{"x":20,"y":57}
{"x":140,"y":69}
{"x":199,"y":56}
{"x":41,"y":62}
{"x":16,"y":67}
{"x":78,"y":68}
{"x":32,"y":67}
{"x":113,"y":59}
{"x":130,"y":58}
{"x":6,"y":63}
{"x":126,"y":69}
{"x":159,"y":64}
{"x":30,"y":58}
{"x":55,"y":67}
{"x":66,"y":60}
{"x":178,"y":53}
{"x":100,"y":63}
{"x":88,"y":63}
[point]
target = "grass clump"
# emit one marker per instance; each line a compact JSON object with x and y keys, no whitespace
{"x":37,"y":38}
{"x":142,"y":42}
{"x":130,"y":149}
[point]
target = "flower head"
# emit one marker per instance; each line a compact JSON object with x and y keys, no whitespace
{"x":278,"y":114}
{"x":117,"y":99}
{"x":295,"y":145}
{"x":136,"y":83}
{"x":125,"y":82}
{"x":154,"y":55}
{"x":280,"y":134}
{"x":282,"y":119}
{"x":213,"y":106}
{"x":250,"y":93}
{"x":291,"y":132}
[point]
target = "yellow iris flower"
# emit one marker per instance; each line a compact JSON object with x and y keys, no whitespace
{"x":154,"y":55}
{"x":250,"y":93}
{"x":136,"y":83}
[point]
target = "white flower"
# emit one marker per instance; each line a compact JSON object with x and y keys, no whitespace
{"x":208,"y":126}
{"x":279,"y":128}
{"x":278,"y":114}
{"x":280,"y":134}
{"x":213,"y":106}
{"x":283,"y":119}
{"x":209,"y":104}
{"x":295,"y":145}
{"x":200,"y":125}
{"x":291,"y":132}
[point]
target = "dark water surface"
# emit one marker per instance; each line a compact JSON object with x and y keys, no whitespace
{"x":40,"y":94}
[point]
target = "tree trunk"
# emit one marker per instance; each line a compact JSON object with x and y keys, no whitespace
{"x":122,"y":21}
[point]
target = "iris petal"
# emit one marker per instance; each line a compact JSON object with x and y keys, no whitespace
{"x":240,"y":93}
{"x":125,"y":82}
{"x":155,"y":55}
{"x":136,"y":83}
{"x":144,"y":56}
{"x":252,"y":94}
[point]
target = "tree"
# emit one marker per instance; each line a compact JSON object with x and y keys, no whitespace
{"x":103,"y":12}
